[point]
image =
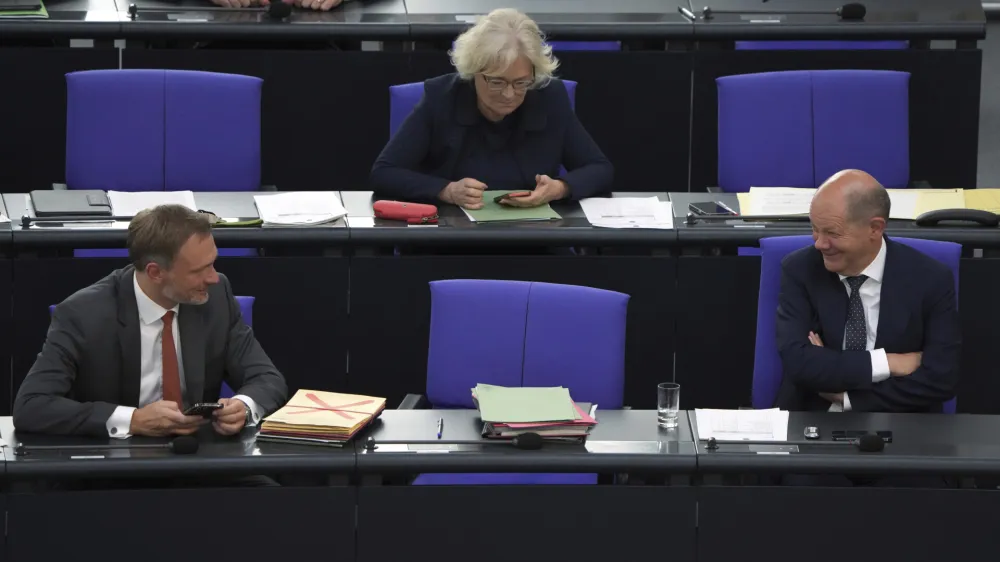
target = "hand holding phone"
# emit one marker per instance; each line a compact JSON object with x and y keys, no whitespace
{"x":203,"y":409}
{"x":511,"y":195}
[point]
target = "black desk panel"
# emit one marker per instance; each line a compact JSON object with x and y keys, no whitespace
{"x":718,"y":284}
{"x":325,"y":114}
{"x":646,"y":137}
{"x":157,"y":20}
{"x":612,"y":522}
{"x":944,"y":146}
{"x":560,"y":19}
{"x":884,"y":19}
{"x":33,"y":150}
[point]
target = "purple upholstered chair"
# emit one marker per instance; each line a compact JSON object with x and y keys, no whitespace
{"x":767,"y":371}
{"x":795,"y":129}
{"x":822,"y":45}
{"x":552,"y":335}
{"x":246,"y":309}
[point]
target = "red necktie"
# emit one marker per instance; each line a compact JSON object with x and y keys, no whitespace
{"x":171,"y":375}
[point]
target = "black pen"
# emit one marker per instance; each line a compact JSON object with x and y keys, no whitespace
{"x":440,"y":427}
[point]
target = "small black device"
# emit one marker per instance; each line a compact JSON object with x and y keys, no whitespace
{"x":711,"y":209}
{"x":976,"y":217}
{"x":203,"y":409}
{"x":855,"y":435}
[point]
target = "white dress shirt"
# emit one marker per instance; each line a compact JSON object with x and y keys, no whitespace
{"x":151,"y":364}
{"x":871,"y":295}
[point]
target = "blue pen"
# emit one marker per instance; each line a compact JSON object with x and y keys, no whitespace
{"x":440,"y":427}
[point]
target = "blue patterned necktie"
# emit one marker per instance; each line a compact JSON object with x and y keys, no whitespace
{"x":856,"y":329}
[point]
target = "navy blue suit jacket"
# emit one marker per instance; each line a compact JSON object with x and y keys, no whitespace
{"x":917,"y":312}
{"x":421,"y":158}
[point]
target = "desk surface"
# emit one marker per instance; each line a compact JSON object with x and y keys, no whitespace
{"x":922,"y":444}
{"x":737,"y":232}
{"x":224,"y":204}
{"x":624,"y":440}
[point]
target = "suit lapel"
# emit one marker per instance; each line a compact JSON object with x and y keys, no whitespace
{"x":191,"y":327}
{"x":833,"y":309}
{"x":893,"y":314}
{"x":129,"y":340}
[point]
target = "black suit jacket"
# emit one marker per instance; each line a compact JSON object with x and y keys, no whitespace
{"x":421,"y":158}
{"x":90,"y":362}
{"x":917,"y":312}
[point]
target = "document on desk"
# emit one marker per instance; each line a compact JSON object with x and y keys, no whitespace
{"x":300,"y":208}
{"x":129,"y":203}
{"x":776,"y":201}
{"x":737,"y":425}
{"x":628,"y":212}
{"x":983,"y":200}
{"x":908,"y":204}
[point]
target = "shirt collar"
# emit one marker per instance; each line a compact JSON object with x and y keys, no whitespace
{"x":149,"y":311}
{"x":876,"y":268}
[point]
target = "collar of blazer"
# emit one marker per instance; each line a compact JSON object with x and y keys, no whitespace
{"x":531,"y":114}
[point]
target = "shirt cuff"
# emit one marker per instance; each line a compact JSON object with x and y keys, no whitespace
{"x":880,"y":365}
{"x":255,"y":412}
{"x":120,"y":422}
{"x":847,"y":400}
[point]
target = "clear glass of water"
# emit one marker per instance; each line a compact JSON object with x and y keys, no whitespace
{"x":668,"y":402}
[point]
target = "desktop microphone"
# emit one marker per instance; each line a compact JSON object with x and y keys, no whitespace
{"x":183,"y":445}
{"x":868,"y":443}
{"x":525,"y":442}
{"x":277,"y":10}
{"x":853,"y":11}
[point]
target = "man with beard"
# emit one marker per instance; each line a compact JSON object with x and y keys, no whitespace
{"x":126,"y":355}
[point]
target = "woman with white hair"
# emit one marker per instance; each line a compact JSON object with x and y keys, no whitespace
{"x":501,"y":122}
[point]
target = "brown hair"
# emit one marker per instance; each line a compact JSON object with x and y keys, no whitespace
{"x":156,"y":235}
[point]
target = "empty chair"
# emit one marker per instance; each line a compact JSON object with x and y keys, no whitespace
{"x":797,"y":128}
{"x":551,"y":335}
{"x":767,"y":369}
{"x":822,"y":45}
{"x":246,"y":309}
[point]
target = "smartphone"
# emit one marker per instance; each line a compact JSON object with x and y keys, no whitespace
{"x":500,"y":198}
{"x":203,"y":409}
{"x":711,"y":209}
{"x":855,"y":434}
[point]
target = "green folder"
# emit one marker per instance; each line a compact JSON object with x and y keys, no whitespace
{"x":495,"y":212}
{"x":40,"y":13}
{"x":500,"y":404}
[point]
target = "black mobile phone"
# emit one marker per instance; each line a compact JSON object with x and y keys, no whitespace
{"x":711,"y":209}
{"x":203,"y":409}
{"x":855,"y":434}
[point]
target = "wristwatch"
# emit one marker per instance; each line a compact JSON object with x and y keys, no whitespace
{"x":248,"y":420}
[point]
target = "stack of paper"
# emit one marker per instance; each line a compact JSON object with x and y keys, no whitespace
{"x":742,"y":425}
{"x":299,"y":208}
{"x":129,"y":203}
{"x":321,"y":418}
{"x":907,"y":204}
{"x":495,"y":212}
{"x":628,"y":212}
{"x":549,"y":412}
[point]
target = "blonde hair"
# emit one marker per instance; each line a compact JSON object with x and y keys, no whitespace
{"x":497,"y":40}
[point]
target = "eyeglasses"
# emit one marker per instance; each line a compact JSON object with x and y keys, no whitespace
{"x":498,"y":85}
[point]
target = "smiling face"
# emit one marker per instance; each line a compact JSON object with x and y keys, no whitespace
{"x":500,"y":93}
{"x":191,"y":272}
{"x":848,"y":244}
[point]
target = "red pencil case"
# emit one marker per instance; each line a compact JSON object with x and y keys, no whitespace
{"x":412,"y":213}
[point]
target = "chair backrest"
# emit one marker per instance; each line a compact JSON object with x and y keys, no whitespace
{"x":516,"y":333}
{"x":156,"y":130}
{"x":797,"y":128}
{"x":822,"y":45}
{"x":767,"y":370}
{"x":404,"y":97}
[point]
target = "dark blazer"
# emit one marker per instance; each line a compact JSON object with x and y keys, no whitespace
{"x":917,"y":312}
{"x":421,"y":158}
{"x":90,"y":361}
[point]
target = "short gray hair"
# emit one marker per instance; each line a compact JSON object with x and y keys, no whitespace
{"x":497,"y":40}
{"x":156,"y":235}
{"x":866,"y":204}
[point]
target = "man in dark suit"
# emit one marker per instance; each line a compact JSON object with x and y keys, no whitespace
{"x":864,"y":323}
{"x":128,"y":354}
{"x":501,"y":122}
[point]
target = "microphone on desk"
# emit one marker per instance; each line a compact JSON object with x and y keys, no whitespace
{"x":525,"y":442}
{"x":183,"y":445}
{"x":694,"y":218}
{"x":868,"y":443}
{"x":277,"y":10}
{"x":853,"y":11}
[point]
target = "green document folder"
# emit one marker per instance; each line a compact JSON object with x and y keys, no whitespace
{"x":495,"y":212}
{"x":500,"y":404}
{"x":40,"y":13}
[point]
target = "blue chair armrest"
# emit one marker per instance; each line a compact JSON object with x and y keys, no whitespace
{"x":60,"y":186}
{"x":414,"y":402}
{"x":269,"y":188}
{"x":920,"y":184}
{"x":714,"y":189}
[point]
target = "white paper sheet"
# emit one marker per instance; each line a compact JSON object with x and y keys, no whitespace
{"x":737,"y":425}
{"x":300,"y":208}
{"x":778,"y":201}
{"x":628,"y":212}
{"x":128,"y":203}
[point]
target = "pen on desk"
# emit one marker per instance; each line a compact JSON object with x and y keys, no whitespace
{"x":440,"y":427}
{"x":687,"y":13}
